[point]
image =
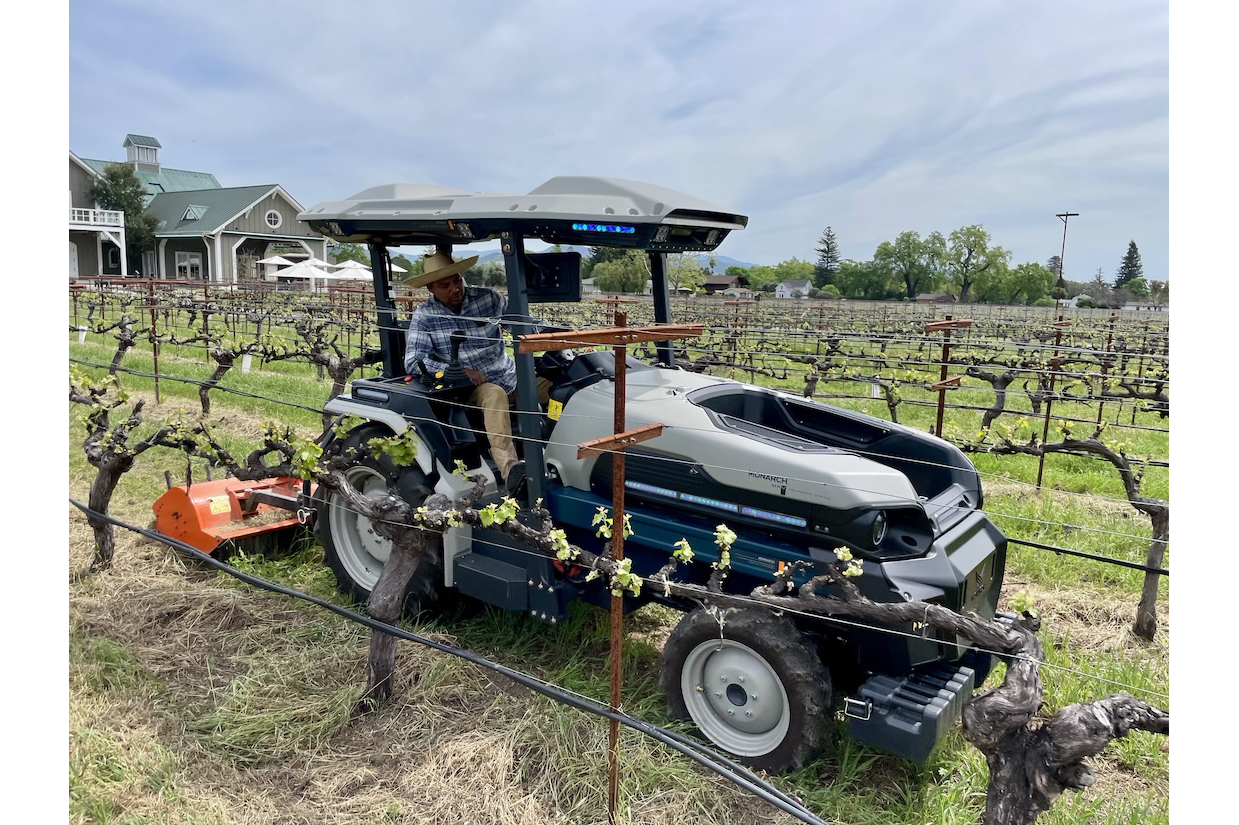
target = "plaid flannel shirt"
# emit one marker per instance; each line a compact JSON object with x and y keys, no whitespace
{"x":432,"y":325}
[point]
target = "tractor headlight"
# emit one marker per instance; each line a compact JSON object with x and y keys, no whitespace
{"x":876,"y":532}
{"x":879,"y":528}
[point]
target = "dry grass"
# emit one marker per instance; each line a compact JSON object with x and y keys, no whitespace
{"x":199,"y":701}
{"x":226,"y":705}
{"x":1091,"y":622}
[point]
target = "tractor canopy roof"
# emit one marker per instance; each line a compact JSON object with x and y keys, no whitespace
{"x":585,"y":211}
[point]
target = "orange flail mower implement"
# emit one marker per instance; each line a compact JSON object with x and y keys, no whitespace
{"x":208,"y":514}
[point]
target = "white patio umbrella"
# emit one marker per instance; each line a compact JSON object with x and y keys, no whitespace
{"x":276,"y":260}
{"x":353,"y":271}
{"x":359,"y":268}
{"x":352,"y":268}
{"x":305,"y":270}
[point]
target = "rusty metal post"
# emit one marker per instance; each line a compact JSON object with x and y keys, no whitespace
{"x":617,"y":553}
{"x":154,"y":338}
{"x":1144,"y":339}
{"x":206,"y":318}
{"x":943,"y":383}
{"x":1105,"y":368}
{"x":1049,"y":401}
{"x":946,"y":354}
{"x":618,"y":338}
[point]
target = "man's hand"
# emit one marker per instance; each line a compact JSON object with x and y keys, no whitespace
{"x":475,"y":376}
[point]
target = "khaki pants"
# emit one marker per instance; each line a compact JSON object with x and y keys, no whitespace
{"x":495,"y":405}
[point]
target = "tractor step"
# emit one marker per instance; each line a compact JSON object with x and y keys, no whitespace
{"x":908,"y":716}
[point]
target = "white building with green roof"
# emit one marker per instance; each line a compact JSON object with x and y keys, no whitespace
{"x":205,"y":231}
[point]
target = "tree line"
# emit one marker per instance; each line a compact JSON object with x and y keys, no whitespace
{"x":968,"y":266}
{"x":965,"y":264}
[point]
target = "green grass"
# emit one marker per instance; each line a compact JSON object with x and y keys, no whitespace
{"x":110,"y":668}
{"x":272,"y":713}
{"x":104,"y":772}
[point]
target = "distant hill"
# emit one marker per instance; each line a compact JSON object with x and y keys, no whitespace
{"x":722,"y":261}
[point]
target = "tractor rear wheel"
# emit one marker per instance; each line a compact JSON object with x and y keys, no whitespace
{"x":754,"y":687}
{"x":354,"y":550}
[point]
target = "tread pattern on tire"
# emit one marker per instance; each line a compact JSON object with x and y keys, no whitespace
{"x":805,"y":679}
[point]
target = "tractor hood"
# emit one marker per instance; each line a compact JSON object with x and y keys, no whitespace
{"x":739,"y":436}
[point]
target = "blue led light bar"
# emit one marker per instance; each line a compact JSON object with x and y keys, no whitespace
{"x":794,"y":521}
{"x":710,"y":502}
{"x":604,"y":227}
{"x":752,"y":512}
{"x":650,"y":488}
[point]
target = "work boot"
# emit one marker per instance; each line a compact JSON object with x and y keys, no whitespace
{"x":516,"y":479}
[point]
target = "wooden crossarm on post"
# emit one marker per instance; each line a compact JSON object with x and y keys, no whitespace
{"x":611,"y":443}
{"x":936,"y":326}
{"x":947,"y":384}
{"x":607,"y":337}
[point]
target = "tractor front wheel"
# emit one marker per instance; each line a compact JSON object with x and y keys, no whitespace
{"x":752,"y":685}
{"x":354,"y":550}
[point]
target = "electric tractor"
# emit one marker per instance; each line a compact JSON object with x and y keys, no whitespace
{"x":793,"y":478}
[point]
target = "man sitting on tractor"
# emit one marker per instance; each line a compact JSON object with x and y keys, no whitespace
{"x":476,"y":311}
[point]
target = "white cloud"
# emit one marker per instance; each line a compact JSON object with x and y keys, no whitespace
{"x":872,"y":118}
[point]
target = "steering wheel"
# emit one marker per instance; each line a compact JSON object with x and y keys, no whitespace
{"x":553,"y":364}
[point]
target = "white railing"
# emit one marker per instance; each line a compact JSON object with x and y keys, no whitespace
{"x":97,"y":217}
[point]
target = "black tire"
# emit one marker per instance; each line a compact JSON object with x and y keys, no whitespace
{"x":353,"y":551}
{"x":756,"y":689}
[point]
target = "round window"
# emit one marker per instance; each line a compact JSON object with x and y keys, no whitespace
{"x":274,"y":219}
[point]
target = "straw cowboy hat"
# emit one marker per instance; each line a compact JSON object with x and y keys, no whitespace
{"x":439,"y":264}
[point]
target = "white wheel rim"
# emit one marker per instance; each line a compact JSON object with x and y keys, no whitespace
{"x":361,"y":550}
{"x":735,"y":697}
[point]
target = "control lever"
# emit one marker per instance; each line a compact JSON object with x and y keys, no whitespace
{"x":454,"y":375}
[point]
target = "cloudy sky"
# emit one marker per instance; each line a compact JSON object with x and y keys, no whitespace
{"x":873,"y":118}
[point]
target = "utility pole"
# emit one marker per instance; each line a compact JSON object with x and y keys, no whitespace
{"x":1058,"y":289}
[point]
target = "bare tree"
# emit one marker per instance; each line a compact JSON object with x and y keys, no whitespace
{"x":126,"y":336}
{"x":224,"y":351}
